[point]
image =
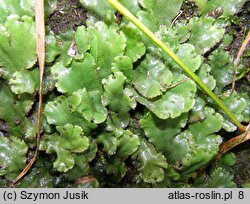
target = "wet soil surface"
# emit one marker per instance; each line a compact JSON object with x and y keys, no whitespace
{"x":188,"y":10}
{"x":242,"y":165}
{"x":68,"y":15}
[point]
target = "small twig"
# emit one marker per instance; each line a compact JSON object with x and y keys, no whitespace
{"x":225,"y":147}
{"x":235,"y":141}
{"x":178,"y":83}
{"x":175,"y":19}
{"x":40,"y":48}
{"x":85,"y":179}
{"x":236,"y":61}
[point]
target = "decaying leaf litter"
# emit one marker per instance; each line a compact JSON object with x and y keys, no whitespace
{"x":121,"y":75}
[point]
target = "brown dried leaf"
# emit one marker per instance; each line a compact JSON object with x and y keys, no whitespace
{"x":236,"y":61}
{"x":40,"y":45}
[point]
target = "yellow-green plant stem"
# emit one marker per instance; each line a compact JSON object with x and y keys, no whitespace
{"x":175,"y":58}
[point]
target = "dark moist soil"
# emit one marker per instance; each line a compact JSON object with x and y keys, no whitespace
{"x":242,"y":152}
{"x":188,"y":10}
{"x":242,"y":166}
{"x":69,"y":14}
{"x":239,"y":28}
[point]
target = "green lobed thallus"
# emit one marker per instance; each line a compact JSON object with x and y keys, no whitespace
{"x":177,"y":60}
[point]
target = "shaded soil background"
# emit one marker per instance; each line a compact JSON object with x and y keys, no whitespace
{"x":70,"y":14}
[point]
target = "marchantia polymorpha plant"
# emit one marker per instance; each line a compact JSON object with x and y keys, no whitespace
{"x":118,"y":109}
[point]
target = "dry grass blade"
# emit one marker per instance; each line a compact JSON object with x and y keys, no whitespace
{"x":85,"y":179}
{"x":236,"y":61}
{"x":40,"y":46}
{"x":228,"y":145}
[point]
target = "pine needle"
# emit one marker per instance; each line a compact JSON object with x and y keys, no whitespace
{"x":236,"y":61}
{"x":235,"y":141}
{"x":40,"y":48}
